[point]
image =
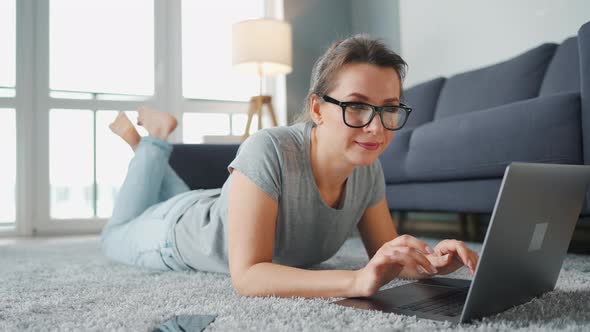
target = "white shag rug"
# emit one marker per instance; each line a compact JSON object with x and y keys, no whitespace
{"x":67,"y":284}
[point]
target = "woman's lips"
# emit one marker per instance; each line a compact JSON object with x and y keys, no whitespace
{"x":369,"y":146}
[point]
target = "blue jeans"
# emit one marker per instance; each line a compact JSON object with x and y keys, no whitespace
{"x":146,"y":209}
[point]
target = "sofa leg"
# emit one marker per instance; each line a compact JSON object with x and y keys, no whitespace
{"x":463,"y":223}
{"x":402,"y":217}
{"x":476,"y":227}
{"x":470,"y":226}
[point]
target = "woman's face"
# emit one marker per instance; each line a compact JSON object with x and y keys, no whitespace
{"x":365,"y":83}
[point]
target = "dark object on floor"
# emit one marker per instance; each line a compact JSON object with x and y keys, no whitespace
{"x":186,"y":323}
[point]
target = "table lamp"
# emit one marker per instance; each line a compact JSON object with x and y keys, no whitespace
{"x":263,"y":47}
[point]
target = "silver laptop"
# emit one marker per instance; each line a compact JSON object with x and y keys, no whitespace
{"x":532,"y":223}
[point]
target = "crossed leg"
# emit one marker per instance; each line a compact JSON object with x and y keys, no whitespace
{"x":137,"y":230}
{"x":152,"y":181}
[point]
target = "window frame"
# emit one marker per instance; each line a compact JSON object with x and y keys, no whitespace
{"x":32,"y":113}
{"x":24,"y":41}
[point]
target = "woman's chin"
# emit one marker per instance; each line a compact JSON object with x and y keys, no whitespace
{"x":363,"y":159}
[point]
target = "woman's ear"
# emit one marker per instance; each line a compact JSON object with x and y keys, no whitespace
{"x":315,"y":110}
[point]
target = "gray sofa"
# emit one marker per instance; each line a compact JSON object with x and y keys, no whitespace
{"x":465,"y":130}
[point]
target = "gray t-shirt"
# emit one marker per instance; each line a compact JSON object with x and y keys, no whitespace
{"x":308,"y":231}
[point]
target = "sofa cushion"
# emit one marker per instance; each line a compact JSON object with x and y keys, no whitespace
{"x":584,"y":48}
{"x":516,"y":79}
{"x":467,"y":196}
{"x":202,"y":166}
{"x":563,"y":73}
{"x":481,"y":144}
{"x":422,"y":98}
{"x":394,"y":157}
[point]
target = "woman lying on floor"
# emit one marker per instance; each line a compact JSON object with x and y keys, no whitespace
{"x":293,"y":195}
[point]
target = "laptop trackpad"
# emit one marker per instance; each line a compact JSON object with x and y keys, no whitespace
{"x":389,"y":300}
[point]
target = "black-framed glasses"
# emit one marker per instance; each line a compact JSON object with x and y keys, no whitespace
{"x":358,"y":115}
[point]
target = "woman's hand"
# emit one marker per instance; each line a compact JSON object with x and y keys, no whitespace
{"x":450,"y":255}
{"x":402,"y":253}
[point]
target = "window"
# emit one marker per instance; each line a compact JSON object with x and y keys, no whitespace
{"x":81,"y":143}
{"x":206,"y":49}
{"x":239,"y":124}
{"x":8,"y":173}
{"x":7,"y":111}
{"x":202,"y":124}
{"x":93,"y":47}
{"x":7,"y":47}
{"x":96,"y":57}
{"x":71,"y":153}
{"x":93,"y":59}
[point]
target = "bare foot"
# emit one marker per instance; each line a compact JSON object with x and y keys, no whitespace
{"x":158,"y":124}
{"x":124,"y":128}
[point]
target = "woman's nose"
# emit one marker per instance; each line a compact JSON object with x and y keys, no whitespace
{"x":375,"y":125}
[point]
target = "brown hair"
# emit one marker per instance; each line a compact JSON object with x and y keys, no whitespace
{"x":356,"y":49}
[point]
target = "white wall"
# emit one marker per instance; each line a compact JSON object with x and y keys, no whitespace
{"x":315,"y":25}
{"x":318,"y":23}
{"x":442,"y":38}
{"x":379,"y":18}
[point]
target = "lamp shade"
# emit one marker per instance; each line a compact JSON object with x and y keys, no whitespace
{"x":262,"y":46}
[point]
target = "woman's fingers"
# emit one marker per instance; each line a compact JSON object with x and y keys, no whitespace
{"x":407,"y":256}
{"x":474,"y":259}
{"x":410,"y":241}
{"x":467,"y":256}
{"x":462,"y":251}
{"x":440,"y":260}
{"x":453,"y":247}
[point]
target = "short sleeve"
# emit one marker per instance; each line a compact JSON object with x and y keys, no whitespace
{"x":258,"y":158}
{"x":378,"y":188}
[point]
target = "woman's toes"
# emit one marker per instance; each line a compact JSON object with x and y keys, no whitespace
{"x":120,"y":124}
{"x":157,"y":123}
{"x":123,"y":127}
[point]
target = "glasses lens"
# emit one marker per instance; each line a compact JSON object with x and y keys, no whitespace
{"x":357,"y":115}
{"x":394,"y":117}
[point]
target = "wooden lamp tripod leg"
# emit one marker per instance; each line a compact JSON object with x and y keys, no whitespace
{"x":259,"y":109}
{"x":254,"y":109}
{"x":256,"y":104}
{"x":272,"y":112}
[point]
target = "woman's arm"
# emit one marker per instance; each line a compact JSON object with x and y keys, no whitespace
{"x":252,"y":218}
{"x":376,"y":227}
{"x":264,"y":279}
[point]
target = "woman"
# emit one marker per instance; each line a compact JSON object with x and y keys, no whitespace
{"x":293,"y":195}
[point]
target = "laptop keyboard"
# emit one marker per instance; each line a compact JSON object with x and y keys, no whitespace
{"x":449,"y":304}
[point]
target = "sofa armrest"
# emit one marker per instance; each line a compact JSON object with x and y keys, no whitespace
{"x":584,"y":49}
{"x":202,"y":166}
